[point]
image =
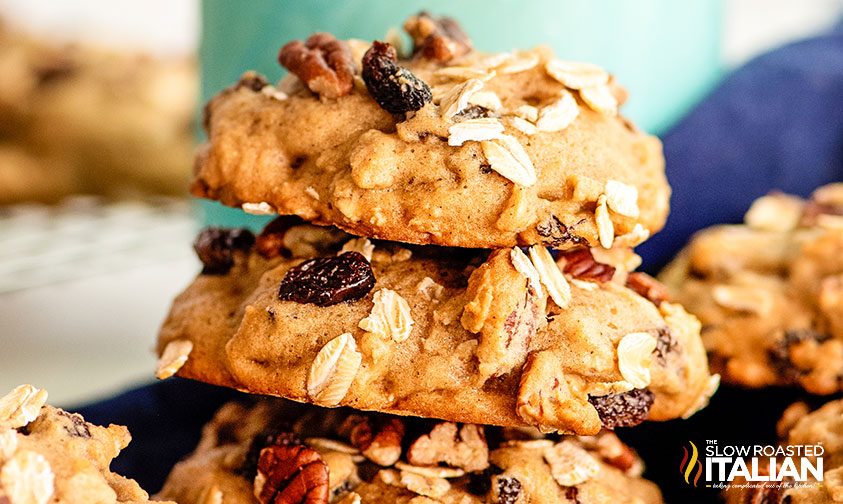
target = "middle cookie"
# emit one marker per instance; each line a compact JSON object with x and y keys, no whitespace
{"x":503,"y":338}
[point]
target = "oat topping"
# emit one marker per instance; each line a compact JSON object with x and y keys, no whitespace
{"x":430,"y":471}
{"x":600,"y":99}
{"x":463,"y":447}
{"x":576,"y":75}
{"x":425,"y":485}
{"x":457,"y":99}
{"x":551,"y":276}
{"x":743,"y":298}
{"x":525,"y":266}
{"x":8,"y":443}
{"x":775,"y":212}
{"x":21,"y":406}
{"x":559,"y":114}
{"x":333,"y":370}
{"x":635,"y":353}
{"x":486,"y":99}
{"x":262,"y":208}
{"x":361,"y":245}
{"x":622,"y":198}
{"x":173,"y":357}
{"x":637,"y":236}
{"x":528,"y":112}
{"x":325,"y":444}
{"x":605,"y":228}
{"x":274,"y":93}
{"x":520,"y":61}
{"x":507,"y":157}
{"x":27,"y":478}
{"x":390,"y":317}
{"x":430,"y":289}
{"x":571,"y":465}
{"x":475,"y":130}
{"x":523,"y":125}
{"x":464,"y":73}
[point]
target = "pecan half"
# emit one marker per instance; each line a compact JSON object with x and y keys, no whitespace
{"x":464,"y":447}
{"x":292,"y":474}
{"x":378,"y":439}
{"x":395,"y":88}
{"x":648,"y":287}
{"x":322,"y":62}
{"x":440,"y":39}
{"x":581,"y":264}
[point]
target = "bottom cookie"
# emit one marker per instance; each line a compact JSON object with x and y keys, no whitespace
{"x":277,"y":451}
{"x":48,"y":455}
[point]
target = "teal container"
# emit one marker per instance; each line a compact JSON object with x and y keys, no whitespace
{"x":667,"y":53}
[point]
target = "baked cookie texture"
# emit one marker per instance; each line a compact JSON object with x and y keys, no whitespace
{"x":503,"y":337}
{"x":275,"y":449}
{"x":770,"y":292}
{"x":497,"y":150}
{"x":800,"y":426}
{"x":48,"y":455}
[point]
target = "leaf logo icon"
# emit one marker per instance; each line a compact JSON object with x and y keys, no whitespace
{"x":690,"y":461}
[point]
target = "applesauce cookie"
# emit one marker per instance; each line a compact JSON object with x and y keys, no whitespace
{"x":48,"y":455}
{"x":770,"y":292}
{"x":800,"y":426}
{"x":278,"y":451}
{"x":446,"y":146}
{"x":504,"y":337}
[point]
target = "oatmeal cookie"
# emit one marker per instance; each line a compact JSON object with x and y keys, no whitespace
{"x":449,"y":146}
{"x":505,"y":337}
{"x":770,"y":292}
{"x":48,"y":455}
{"x":275,"y":449}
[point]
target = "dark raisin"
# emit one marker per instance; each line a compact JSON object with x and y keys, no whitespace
{"x":252,"y":81}
{"x":509,"y":489}
{"x":395,"y":88}
{"x":581,"y":264}
{"x":480,"y":482}
{"x":556,"y":234}
{"x":779,"y":353}
{"x":474,"y":112}
{"x":249,"y":468}
{"x":623,"y":410}
{"x":78,"y":426}
{"x":572,"y":494}
{"x":326,"y":281}
{"x":216,"y":246}
{"x":665,"y":344}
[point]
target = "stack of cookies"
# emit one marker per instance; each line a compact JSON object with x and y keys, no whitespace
{"x":452,"y":266}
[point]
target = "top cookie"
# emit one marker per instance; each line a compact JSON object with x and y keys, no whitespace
{"x":770,"y":293}
{"x":449,"y":146}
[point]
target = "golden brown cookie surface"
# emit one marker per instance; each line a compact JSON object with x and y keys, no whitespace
{"x":501,"y":338}
{"x":770,"y":292}
{"x":349,"y":457}
{"x":48,"y":455}
{"x":505,"y":149}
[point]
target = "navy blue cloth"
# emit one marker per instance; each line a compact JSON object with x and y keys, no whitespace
{"x":776,"y":123}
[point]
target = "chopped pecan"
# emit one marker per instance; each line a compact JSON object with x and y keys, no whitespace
{"x":623,"y":410}
{"x":292,"y":474}
{"x":270,"y":242}
{"x":378,"y":439}
{"x":615,"y":452}
{"x":648,"y":287}
{"x":440,"y":39}
{"x":395,"y":88}
{"x":556,"y":234}
{"x":580,"y":264}
{"x":249,"y":468}
{"x":464,"y":447}
{"x":322,"y":62}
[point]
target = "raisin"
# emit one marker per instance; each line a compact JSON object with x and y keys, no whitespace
{"x":623,"y":410}
{"x":509,"y":489}
{"x":556,"y":234}
{"x":249,"y":468}
{"x":779,"y":353}
{"x":326,"y":281}
{"x":395,"y":88}
{"x":665,"y":344}
{"x":581,"y":264}
{"x":480,"y":482}
{"x":474,"y":112}
{"x":572,"y":494}
{"x":78,"y":426}
{"x":216,"y":246}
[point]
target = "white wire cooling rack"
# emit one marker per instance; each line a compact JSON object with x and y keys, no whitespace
{"x":84,"y":236}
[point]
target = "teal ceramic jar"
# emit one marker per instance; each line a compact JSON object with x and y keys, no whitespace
{"x":666,"y":53}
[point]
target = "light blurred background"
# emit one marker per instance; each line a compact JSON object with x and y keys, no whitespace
{"x":97,"y":126}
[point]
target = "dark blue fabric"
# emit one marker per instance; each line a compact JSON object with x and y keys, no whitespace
{"x":776,"y":123}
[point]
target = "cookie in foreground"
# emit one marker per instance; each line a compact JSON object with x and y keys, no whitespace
{"x":278,"y":451}
{"x":770,"y":292}
{"x":505,"y":337}
{"x":48,"y":455}
{"x":470,"y":149}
